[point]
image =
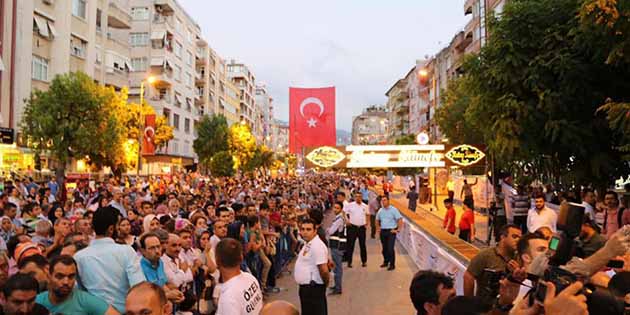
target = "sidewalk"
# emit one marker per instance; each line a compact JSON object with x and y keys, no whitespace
{"x":429,"y":209}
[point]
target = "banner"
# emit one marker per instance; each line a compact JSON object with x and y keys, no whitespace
{"x":148,"y":137}
{"x":311,"y":118}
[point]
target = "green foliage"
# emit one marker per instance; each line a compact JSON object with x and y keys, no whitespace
{"x":263,"y":158}
{"x":76,"y":118}
{"x":163,"y":131}
{"x":212,"y":137}
{"x":532,"y":96}
{"x":222,"y":164}
{"x":242,"y":145}
{"x":405,"y":139}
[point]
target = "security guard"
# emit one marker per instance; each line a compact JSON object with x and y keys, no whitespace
{"x":337,"y":243}
{"x":311,"y":271}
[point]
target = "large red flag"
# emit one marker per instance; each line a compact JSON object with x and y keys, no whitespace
{"x":311,"y":118}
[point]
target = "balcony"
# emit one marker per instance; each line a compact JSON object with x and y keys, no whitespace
{"x":165,"y":6}
{"x":118,"y":15}
{"x":470,"y":28}
{"x":200,"y":79}
{"x":474,"y":47}
{"x":468,"y":6}
{"x":117,"y":45}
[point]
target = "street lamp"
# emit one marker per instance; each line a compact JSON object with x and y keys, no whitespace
{"x":150,"y":79}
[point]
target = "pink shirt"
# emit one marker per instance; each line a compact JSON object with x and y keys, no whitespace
{"x":611,"y":223}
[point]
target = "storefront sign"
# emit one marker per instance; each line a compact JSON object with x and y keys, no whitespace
{"x":325,"y":157}
{"x":6,"y":135}
{"x":465,"y":155}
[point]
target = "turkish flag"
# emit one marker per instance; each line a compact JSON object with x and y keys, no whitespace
{"x":311,"y":118}
{"x":148,"y":137}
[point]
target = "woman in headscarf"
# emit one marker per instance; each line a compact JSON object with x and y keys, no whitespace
{"x":150,"y":223}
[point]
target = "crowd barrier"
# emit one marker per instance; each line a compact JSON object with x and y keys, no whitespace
{"x":427,"y":252}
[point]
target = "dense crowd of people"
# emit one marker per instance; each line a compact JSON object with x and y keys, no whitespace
{"x":189,"y":244}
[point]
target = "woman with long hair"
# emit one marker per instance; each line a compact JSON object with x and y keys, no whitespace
{"x":124,"y":233}
{"x":56,"y":212}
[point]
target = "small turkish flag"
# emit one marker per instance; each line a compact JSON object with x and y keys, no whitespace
{"x":148,"y":137}
{"x":311,"y":118}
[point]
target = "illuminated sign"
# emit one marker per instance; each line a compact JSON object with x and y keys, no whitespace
{"x":465,"y":155}
{"x":325,"y":157}
{"x":393,"y":156}
{"x":422,"y":138}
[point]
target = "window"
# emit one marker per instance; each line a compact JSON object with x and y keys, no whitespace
{"x":140,"y":13}
{"x":79,"y":8}
{"x":178,"y":25}
{"x":177,"y":73}
{"x":176,"y":121}
{"x":187,"y":125}
{"x":189,"y":79}
{"x":139,"y":64}
{"x":167,"y":114}
{"x":78,"y":47}
{"x":189,"y":58}
{"x":178,"y":50}
{"x":138,"y":39}
{"x":99,"y":57}
{"x":40,"y":68}
{"x":99,"y":23}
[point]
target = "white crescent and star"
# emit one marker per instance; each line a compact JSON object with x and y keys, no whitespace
{"x":312,"y":122}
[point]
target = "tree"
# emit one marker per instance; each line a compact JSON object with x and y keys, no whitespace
{"x":533,"y":92}
{"x":212,"y":137}
{"x":75,"y":118}
{"x":242,"y":145}
{"x":451,"y":115}
{"x":263,"y":158}
{"x":222,"y":164}
{"x":163,"y":131}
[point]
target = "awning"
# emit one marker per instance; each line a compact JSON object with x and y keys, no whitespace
{"x":178,"y":98}
{"x":1,"y":65}
{"x":168,"y":63}
{"x":188,"y":101}
{"x":157,"y":62}
{"x":158,"y":35}
{"x":42,"y":26}
{"x":128,"y":66}
{"x":53,"y":31}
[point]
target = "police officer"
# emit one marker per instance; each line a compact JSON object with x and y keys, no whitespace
{"x":337,"y":242}
{"x":311,"y":271}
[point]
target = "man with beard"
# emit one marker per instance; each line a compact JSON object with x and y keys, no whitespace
{"x":63,"y":298}
{"x":35,"y":266}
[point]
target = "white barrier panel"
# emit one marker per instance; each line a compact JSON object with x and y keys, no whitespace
{"x":427,"y":255}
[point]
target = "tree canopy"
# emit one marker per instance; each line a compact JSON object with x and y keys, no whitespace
{"x":533,"y":92}
{"x":212,"y":137}
{"x":242,"y":145}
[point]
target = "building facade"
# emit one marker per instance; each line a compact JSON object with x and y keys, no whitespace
{"x":398,"y":110}
{"x":166,"y":44}
{"x":370,"y":127}
{"x":244,"y":80}
{"x":279,"y":136}
{"x":264,"y":103}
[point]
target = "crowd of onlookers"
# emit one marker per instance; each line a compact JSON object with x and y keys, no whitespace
{"x":110,"y":236}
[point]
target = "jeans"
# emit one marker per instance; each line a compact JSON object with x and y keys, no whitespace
{"x":337,"y":257}
{"x":354,"y":232}
{"x":265,"y":269}
{"x":388,"y":243}
{"x":313,"y":299}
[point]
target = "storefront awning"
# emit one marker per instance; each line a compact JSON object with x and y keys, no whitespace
{"x":158,"y":35}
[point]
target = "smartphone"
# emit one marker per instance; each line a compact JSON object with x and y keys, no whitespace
{"x":541,"y":292}
{"x":615,"y":264}
{"x":553,"y":243}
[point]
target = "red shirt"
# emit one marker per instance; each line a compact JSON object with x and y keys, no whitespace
{"x":467,"y":220}
{"x":449,"y":220}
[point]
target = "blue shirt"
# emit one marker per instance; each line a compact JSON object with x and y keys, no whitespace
{"x":365,"y":193}
{"x":153,"y":274}
{"x":388,"y":217}
{"x":79,"y":302}
{"x":108,"y":270}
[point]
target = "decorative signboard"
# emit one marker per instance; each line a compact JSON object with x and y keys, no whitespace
{"x":394,"y":156}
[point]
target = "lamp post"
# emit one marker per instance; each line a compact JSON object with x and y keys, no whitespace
{"x":150,"y":80}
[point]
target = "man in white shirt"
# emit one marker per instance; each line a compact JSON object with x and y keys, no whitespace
{"x":358,"y":222}
{"x":177,"y":272}
{"x":220,"y":232}
{"x":311,"y":271}
{"x":540,"y":215}
{"x":588,"y":201}
{"x":240,"y":292}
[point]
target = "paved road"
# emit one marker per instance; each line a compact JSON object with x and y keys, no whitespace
{"x":366,"y":291}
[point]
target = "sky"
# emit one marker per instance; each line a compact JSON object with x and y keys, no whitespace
{"x":360,"y":46}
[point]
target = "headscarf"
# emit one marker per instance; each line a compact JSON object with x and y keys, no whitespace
{"x":146,"y":223}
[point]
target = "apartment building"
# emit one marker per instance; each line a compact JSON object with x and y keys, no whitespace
{"x":166,"y":44}
{"x":398,"y":110}
{"x":264,"y":103}
{"x":244,"y":79}
{"x":279,"y":136}
{"x":370,"y":127}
